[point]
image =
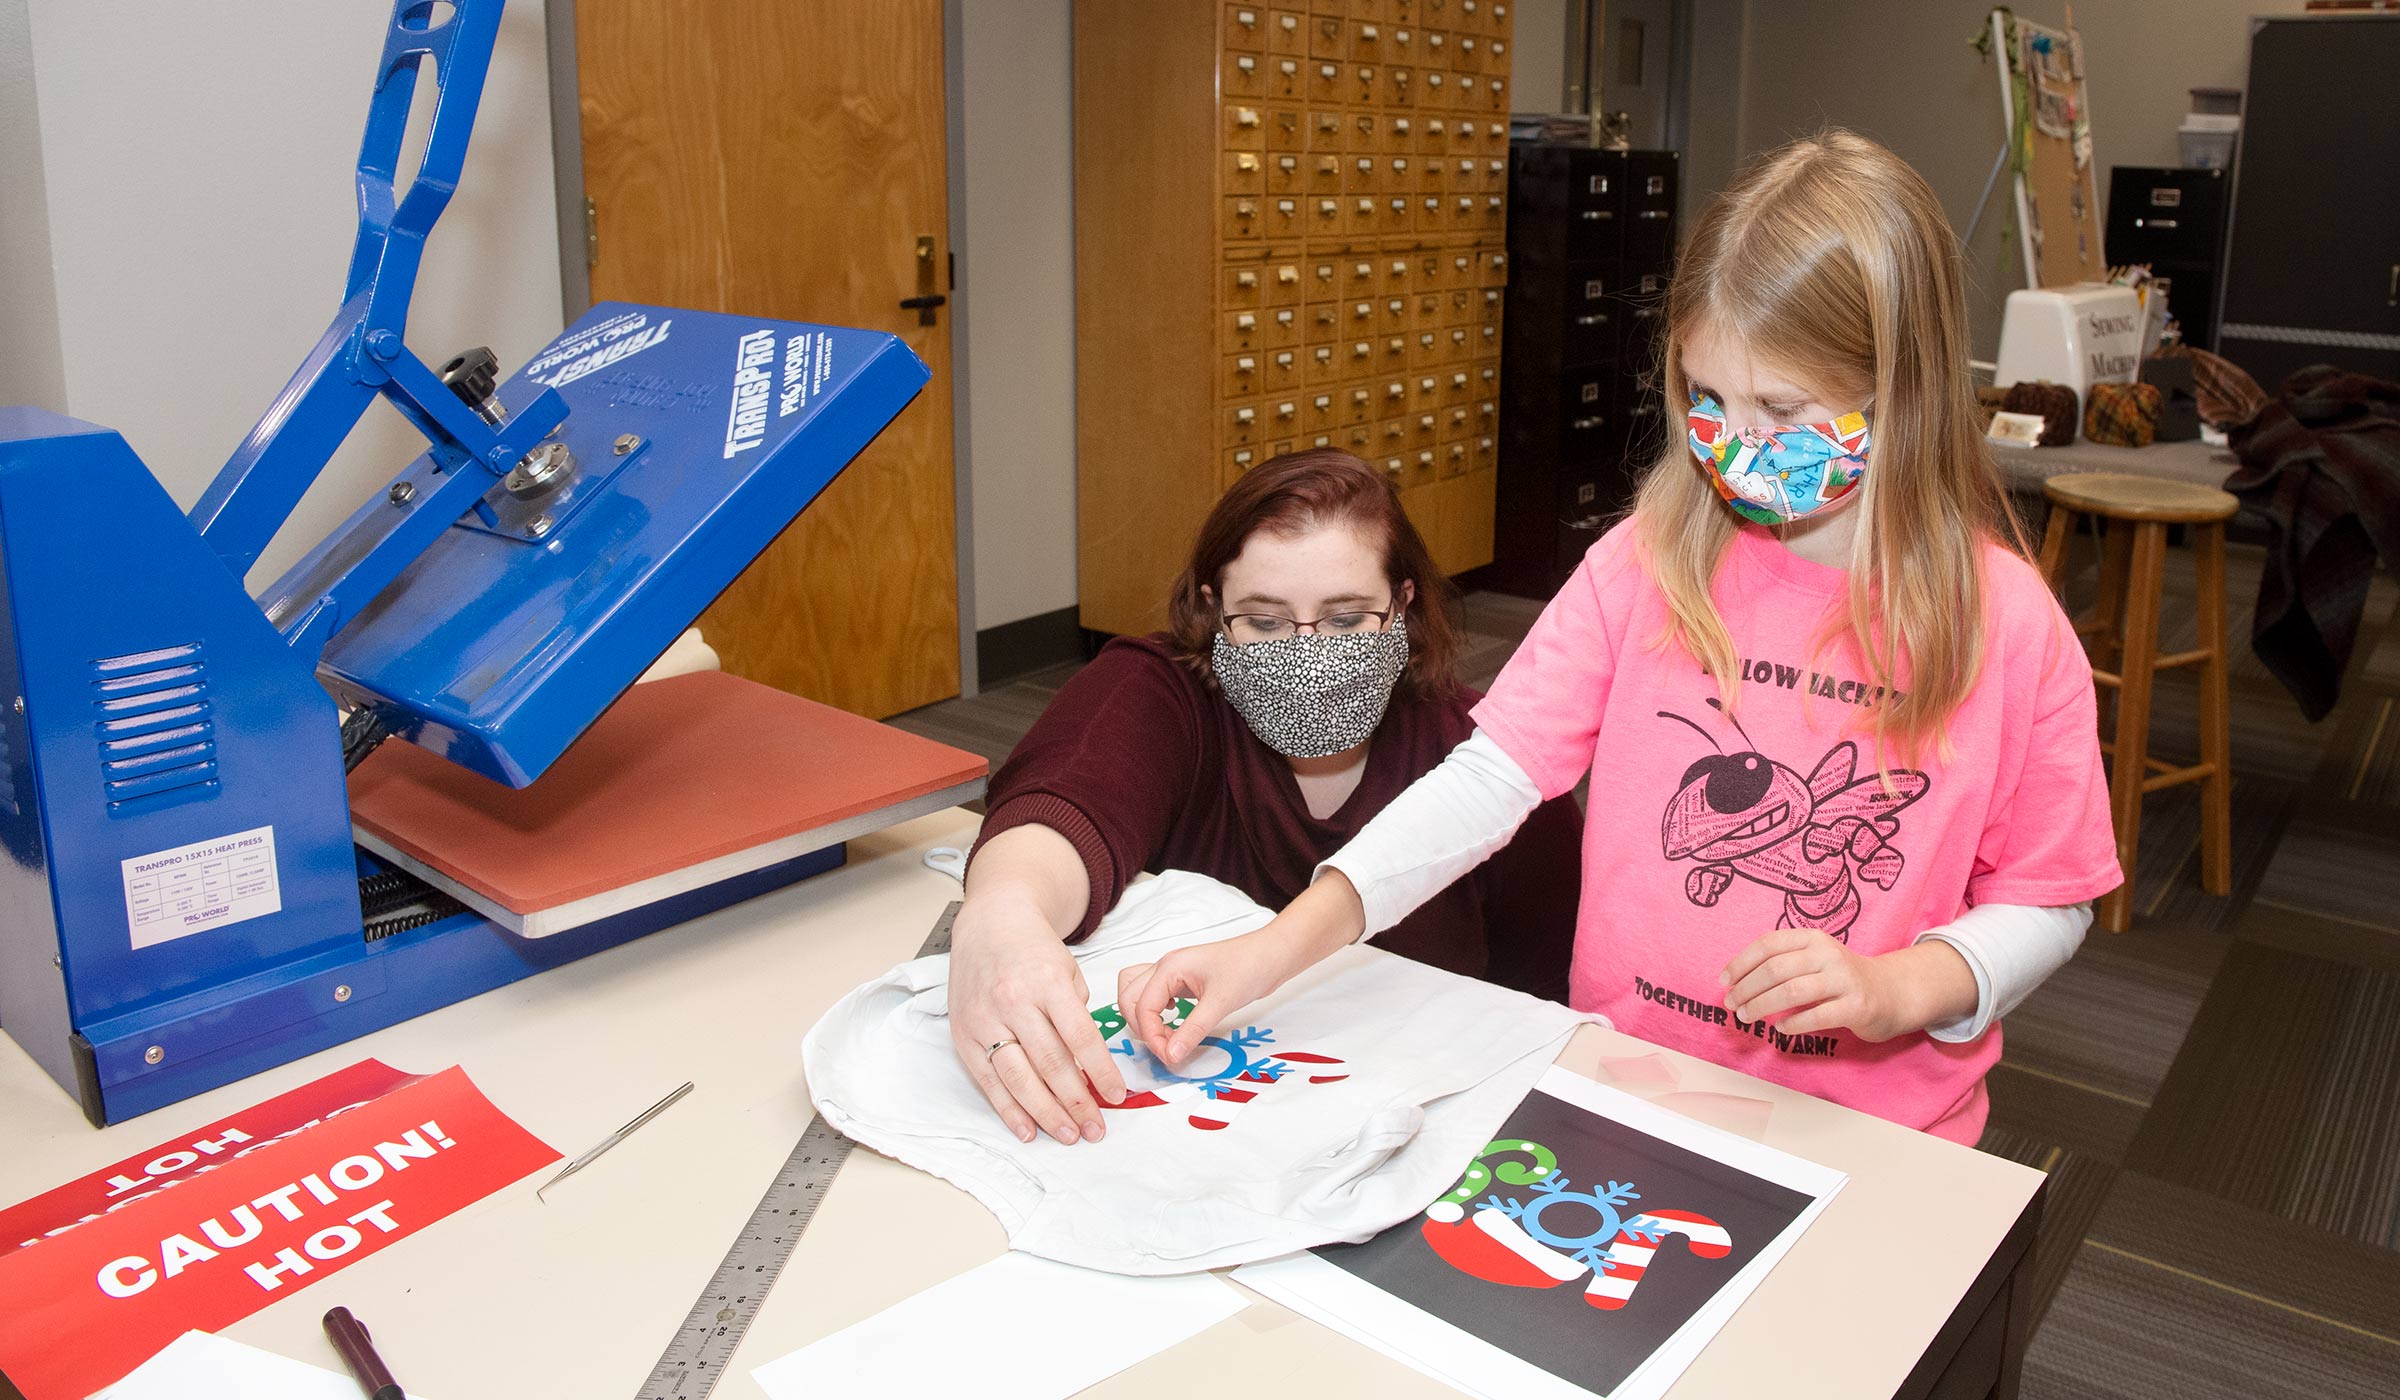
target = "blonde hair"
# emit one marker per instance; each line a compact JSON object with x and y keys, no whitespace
{"x":1831,"y":260}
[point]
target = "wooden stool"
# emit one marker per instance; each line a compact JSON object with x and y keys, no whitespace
{"x":2138,"y":510}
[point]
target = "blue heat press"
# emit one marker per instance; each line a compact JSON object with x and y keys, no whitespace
{"x":180,"y":896}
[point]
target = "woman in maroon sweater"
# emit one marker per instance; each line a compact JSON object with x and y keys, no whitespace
{"x":1305,"y":681}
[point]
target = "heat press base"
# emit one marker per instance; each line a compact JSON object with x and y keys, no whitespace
{"x":685,"y":783}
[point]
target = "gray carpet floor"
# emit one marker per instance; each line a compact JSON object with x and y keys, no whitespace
{"x":2215,"y":1094}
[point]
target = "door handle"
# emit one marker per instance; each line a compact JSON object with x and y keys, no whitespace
{"x":927,"y":299}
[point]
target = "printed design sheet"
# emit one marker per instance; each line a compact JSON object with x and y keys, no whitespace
{"x":1592,"y":1248}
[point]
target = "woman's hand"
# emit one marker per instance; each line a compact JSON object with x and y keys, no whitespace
{"x":1802,"y":981}
{"x":1222,"y":978}
{"x":1013,"y":984}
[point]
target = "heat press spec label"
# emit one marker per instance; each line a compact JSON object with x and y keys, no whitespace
{"x":209,"y":884}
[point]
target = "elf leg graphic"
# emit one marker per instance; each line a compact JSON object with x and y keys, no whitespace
{"x":1534,"y":1240}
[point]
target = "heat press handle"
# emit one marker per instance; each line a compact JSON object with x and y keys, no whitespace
{"x":392,"y":224}
{"x":360,"y":354}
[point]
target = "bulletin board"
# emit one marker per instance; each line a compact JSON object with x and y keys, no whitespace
{"x":2048,"y":111}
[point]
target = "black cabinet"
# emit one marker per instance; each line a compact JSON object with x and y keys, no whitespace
{"x":2312,"y":263}
{"x":2174,"y":220}
{"x":1591,"y":241}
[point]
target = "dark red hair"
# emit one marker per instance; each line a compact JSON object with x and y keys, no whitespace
{"x":1303,"y":491}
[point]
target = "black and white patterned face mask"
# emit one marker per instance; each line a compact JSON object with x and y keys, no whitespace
{"x":1314,"y":694}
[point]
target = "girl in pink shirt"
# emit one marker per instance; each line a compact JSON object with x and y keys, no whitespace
{"x":1847,"y":803}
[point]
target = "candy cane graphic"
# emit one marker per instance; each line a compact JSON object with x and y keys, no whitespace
{"x":1637,"y":1244}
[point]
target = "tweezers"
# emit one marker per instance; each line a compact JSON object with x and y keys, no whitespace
{"x":612,"y":1140}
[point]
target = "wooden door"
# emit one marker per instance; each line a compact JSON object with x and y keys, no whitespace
{"x":777,"y":159}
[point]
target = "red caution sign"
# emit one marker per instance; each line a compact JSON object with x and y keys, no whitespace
{"x":101,"y":1273}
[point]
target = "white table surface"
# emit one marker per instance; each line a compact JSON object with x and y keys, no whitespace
{"x":512,"y":1298}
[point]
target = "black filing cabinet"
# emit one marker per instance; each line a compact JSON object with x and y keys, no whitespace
{"x":2312,"y":255}
{"x":2174,"y":220}
{"x":1591,"y":240}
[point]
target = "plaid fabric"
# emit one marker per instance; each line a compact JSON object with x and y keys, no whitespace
{"x":2228,"y":395}
{"x":2056,"y":403}
{"x":2321,"y":474}
{"x":2123,"y":415}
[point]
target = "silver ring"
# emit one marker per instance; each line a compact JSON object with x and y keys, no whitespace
{"x":997,"y":1046}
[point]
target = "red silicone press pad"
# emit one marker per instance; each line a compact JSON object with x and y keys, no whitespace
{"x":678,"y":772}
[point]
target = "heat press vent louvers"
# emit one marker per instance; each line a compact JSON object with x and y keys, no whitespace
{"x":155,"y":726}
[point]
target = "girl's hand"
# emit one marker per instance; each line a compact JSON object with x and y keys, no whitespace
{"x":1014,"y":984}
{"x":1802,"y":981}
{"x":1220,"y":978}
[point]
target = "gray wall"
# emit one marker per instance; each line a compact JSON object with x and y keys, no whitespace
{"x":1716,"y":74}
{"x":1538,"y":67}
{"x":199,"y":215}
{"x":1016,"y":272}
{"x":30,"y":368}
{"x":1764,"y":71}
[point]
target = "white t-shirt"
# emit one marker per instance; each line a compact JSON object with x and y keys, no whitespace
{"x":1335,"y":1107}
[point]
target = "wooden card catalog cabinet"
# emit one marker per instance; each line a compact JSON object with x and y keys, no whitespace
{"x":1290,"y":232}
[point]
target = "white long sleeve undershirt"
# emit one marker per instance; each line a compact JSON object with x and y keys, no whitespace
{"x":1454,"y":818}
{"x":2012,"y":949}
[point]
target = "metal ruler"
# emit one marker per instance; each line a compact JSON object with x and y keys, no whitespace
{"x":706,"y":1339}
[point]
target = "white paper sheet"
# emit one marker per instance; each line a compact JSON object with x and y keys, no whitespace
{"x":1359,"y":1310}
{"x":204,"y":1366}
{"x":1060,"y":1329}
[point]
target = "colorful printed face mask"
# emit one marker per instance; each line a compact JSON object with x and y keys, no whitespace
{"x":1779,"y":474}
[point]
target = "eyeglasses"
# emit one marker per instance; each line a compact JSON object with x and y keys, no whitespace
{"x":1245,"y":628}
